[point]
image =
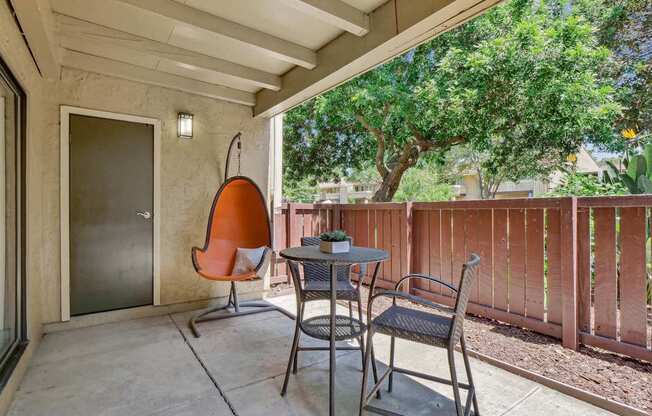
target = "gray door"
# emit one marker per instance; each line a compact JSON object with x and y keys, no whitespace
{"x":111,"y":218}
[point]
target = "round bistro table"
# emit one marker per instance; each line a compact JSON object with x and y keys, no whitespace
{"x":353,"y":328}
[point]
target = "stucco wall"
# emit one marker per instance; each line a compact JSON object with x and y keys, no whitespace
{"x":16,"y":55}
{"x":191,"y":171}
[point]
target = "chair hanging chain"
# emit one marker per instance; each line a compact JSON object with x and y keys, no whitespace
{"x":236,"y":139}
{"x":239,"y":154}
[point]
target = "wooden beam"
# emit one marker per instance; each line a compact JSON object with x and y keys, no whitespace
{"x":336,"y":13}
{"x":33,"y":17}
{"x":117,"y":69}
{"x":396,"y":27}
{"x":197,"y":19}
{"x":76,"y":34}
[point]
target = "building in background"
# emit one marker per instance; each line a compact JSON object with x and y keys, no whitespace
{"x":347,"y":192}
{"x":469,"y":184}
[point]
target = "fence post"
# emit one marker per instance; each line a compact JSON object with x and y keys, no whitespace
{"x":337,"y":217}
{"x":569,"y":280}
{"x":406,"y":243}
{"x":292,"y":225}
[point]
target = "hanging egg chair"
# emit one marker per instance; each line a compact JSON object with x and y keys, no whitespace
{"x":238,"y":220}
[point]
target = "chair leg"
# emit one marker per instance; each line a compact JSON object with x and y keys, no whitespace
{"x":391,"y":364}
{"x":230,"y":302}
{"x":365,"y":372}
{"x":234,"y":292}
{"x":361,"y":339}
{"x":295,"y":364}
{"x":370,"y":346}
{"x":456,"y":388}
{"x":293,"y":355}
{"x":467,"y":365}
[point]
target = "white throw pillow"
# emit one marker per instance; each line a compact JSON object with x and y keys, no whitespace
{"x":246,"y":260}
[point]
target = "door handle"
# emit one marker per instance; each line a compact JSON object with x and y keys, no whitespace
{"x":145,"y":214}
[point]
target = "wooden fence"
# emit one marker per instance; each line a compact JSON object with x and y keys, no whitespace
{"x":572,"y":268}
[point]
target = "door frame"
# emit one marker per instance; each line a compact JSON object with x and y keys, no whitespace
{"x":66,"y":111}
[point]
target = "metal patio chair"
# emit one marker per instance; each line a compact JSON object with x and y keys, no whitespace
{"x":445,"y":329}
{"x":316,"y":286}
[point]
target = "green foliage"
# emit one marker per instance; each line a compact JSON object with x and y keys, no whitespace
{"x":302,"y":190}
{"x":522,"y":84}
{"x":423,"y":185}
{"x":637,"y":177}
{"x":580,"y":184}
{"x":334,"y":236}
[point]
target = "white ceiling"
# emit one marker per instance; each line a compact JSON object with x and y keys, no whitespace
{"x":243,"y":45}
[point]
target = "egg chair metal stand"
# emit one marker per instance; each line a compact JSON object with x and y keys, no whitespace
{"x":251,"y":307}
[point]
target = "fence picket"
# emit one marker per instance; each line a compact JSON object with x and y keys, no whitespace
{"x":471,"y":233}
{"x":553,"y":278}
{"x":517,"y":260}
{"x":484,"y":249}
{"x":420,"y":246}
{"x":501,"y":260}
{"x":396,"y":245}
{"x":606,"y":285}
{"x":387,"y":227}
{"x":633,"y":316}
{"x":459,"y":245}
{"x":534,"y":290}
{"x":434,"y":224}
{"x":447,"y":249}
{"x":361,"y":232}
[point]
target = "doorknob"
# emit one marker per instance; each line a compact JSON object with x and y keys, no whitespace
{"x":145,"y":214}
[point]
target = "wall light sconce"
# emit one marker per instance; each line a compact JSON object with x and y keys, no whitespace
{"x":184,"y":125}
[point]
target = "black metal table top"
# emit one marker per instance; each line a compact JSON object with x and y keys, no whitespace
{"x":312,"y":254}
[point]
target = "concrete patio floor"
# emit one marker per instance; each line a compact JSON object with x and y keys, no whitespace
{"x":154,"y":366}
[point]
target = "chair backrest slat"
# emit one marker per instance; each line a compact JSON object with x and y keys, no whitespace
{"x":470,"y":271}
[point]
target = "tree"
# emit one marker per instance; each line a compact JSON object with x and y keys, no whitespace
{"x":626,"y":28}
{"x":465,"y":160}
{"x":581,"y":184}
{"x":423,"y":184}
{"x":300,"y":191}
{"x":518,"y":82}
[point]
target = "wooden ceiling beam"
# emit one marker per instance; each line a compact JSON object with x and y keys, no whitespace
{"x":33,"y":17}
{"x":75,"y":34}
{"x":336,"y":13}
{"x":130,"y":72}
{"x":279,"y":48}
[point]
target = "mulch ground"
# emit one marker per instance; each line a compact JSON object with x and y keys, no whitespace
{"x":609,"y":375}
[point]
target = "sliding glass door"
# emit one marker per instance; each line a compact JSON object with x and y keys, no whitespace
{"x":12,"y":104}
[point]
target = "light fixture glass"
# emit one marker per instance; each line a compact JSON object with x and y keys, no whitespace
{"x":184,"y":125}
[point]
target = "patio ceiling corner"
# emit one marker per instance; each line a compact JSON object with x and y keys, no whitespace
{"x":267,"y":55}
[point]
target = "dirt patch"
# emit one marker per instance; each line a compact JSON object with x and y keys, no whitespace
{"x":609,"y":375}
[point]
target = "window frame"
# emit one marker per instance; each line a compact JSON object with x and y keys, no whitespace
{"x":9,"y":360}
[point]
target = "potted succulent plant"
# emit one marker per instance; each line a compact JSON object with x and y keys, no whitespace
{"x":335,"y":242}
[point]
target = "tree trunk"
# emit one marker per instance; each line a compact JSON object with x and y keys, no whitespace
{"x":390,"y":184}
{"x":386,"y":191}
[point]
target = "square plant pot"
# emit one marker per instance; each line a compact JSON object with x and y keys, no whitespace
{"x":335,"y":246}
